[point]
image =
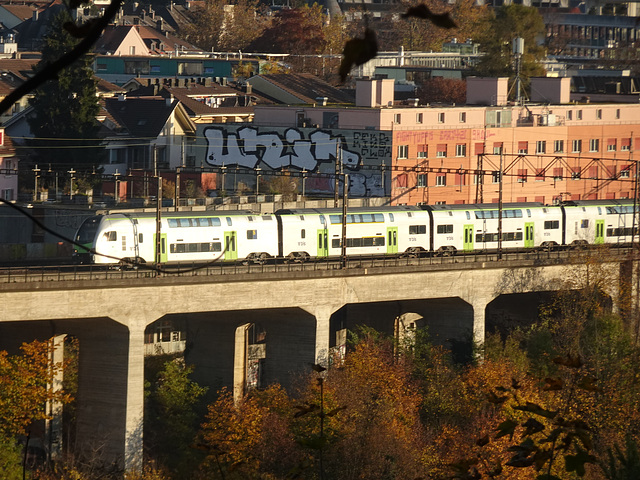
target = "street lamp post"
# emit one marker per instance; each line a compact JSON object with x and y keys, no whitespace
{"x":345,"y":201}
{"x":36,"y":176}
{"x":116,"y":177}
{"x":71,"y":172}
{"x":258,"y":169}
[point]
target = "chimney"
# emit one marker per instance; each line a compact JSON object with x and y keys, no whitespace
{"x":35,"y":15}
{"x":322,"y":101}
{"x":122,"y":97}
{"x":158,"y":24}
{"x":169,"y":100}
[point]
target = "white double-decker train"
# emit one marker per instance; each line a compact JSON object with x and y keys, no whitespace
{"x":305,"y":234}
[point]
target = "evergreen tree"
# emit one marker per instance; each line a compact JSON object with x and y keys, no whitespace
{"x":64,"y":110}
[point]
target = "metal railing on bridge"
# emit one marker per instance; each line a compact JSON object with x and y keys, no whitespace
{"x":64,"y":273}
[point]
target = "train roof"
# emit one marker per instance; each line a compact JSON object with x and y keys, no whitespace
{"x":595,"y":203}
{"x":328,"y":211}
{"x":200,"y":213}
{"x":485,"y":206}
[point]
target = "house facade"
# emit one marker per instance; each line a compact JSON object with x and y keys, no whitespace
{"x":8,"y":169}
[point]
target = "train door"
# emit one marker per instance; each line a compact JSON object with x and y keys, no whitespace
{"x":599,"y":232}
{"x":323,"y":243}
{"x":230,"y":241}
{"x":528,"y":235}
{"x":468,"y":238}
{"x":392,"y":240}
{"x":163,"y":247}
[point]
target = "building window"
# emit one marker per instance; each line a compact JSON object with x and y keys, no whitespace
{"x":402,"y":180}
{"x":421,"y":181}
{"x":132,"y":50}
{"x":594,"y":145}
{"x":558,"y":146}
{"x":463,"y":117}
{"x":497,"y":148}
{"x":558,"y":173}
{"x":523,"y":147}
{"x":461,"y":150}
{"x":495,"y":177}
{"x":541,"y":146}
{"x":576,"y":146}
{"x":441,"y":151}
{"x":617,"y":114}
{"x":625,"y":144}
{"x":599,"y":114}
{"x":611,"y":145}
{"x":441,"y":117}
{"x":579,"y":115}
{"x":423,"y":151}
{"x":569,"y":114}
{"x":441,"y":179}
{"x":624,"y":173}
{"x":397,"y":119}
{"x":575,"y":173}
{"x":419,"y":118}
{"x":522,"y":175}
{"x":403,"y":151}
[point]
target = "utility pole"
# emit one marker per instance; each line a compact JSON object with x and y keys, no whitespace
{"x":338,"y":171}
{"x":116,"y":177}
{"x":159,"y":223}
{"x":500,"y":209}
{"x":345,"y":201}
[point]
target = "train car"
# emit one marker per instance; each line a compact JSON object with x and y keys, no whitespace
{"x":309,"y":233}
{"x":594,"y":222}
{"x":184,"y":237}
{"x":474,"y":227}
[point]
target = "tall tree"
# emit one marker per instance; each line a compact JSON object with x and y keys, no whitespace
{"x":64,"y":111}
{"x":508,"y":23}
{"x":419,"y":34}
{"x":226,"y":27}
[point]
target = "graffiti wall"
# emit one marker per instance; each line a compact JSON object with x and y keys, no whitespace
{"x":362,"y":153}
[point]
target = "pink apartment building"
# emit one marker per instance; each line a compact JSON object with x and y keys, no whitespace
{"x":548,"y":147}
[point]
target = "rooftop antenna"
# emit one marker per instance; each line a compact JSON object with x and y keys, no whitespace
{"x":518,"y":51}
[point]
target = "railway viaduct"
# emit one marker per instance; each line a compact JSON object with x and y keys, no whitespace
{"x":300,"y":312}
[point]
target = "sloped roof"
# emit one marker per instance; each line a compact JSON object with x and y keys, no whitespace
{"x":20,"y":11}
{"x":304,"y":86}
{"x":112,"y":38}
{"x":140,"y":117}
{"x":31,"y":32}
{"x":170,"y":41}
{"x":108,"y":88}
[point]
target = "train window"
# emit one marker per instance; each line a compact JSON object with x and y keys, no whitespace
{"x":468,"y":215}
{"x":172,"y":222}
{"x":444,"y":229}
{"x":367,"y":217}
{"x":551,"y":224}
{"x":216,"y":246}
{"x":184,"y":222}
{"x":335,"y":243}
{"x":302,"y":233}
{"x":140,"y":238}
{"x":378,"y":217}
{"x":584,"y":223}
{"x":528,"y":213}
{"x":111,"y":236}
{"x":335,"y":218}
{"x":252,"y":234}
{"x":250,"y":218}
{"x":417,"y":229}
{"x":266,"y":217}
{"x":599,"y":210}
{"x":391,"y":217}
{"x":322,"y":220}
{"x":193,"y":247}
{"x":229,"y":222}
{"x":302,"y":217}
{"x":205,"y":247}
{"x":409,"y":214}
{"x":124,"y":243}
